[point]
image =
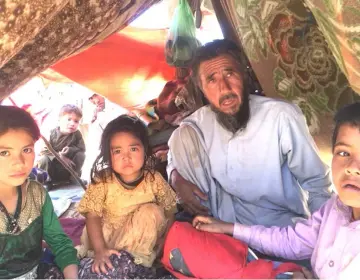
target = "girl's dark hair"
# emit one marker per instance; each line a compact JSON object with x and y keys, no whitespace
{"x":12,"y":117}
{"x":349,"y":114}
{"x":101,"y":170}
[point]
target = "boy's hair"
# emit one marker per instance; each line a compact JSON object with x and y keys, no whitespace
{"x":124,"y":123}
{"x":349,"y":114}
{"x":69,"y":109}
{"x":12,"y":117}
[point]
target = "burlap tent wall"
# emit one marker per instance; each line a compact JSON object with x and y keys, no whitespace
{"x":35,"y":34}
{"x":301,"y":53}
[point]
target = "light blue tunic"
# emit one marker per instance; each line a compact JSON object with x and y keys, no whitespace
{"x":268,"y":174}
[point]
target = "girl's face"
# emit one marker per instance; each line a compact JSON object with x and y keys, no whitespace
{"x":346,"y":166}
{"x":127,"y":155}
{"x":16,"y":157}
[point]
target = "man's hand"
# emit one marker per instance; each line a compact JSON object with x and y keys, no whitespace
{"x":102,"y":261}
{"x":211,"y":224}
{"x":188,"y":194}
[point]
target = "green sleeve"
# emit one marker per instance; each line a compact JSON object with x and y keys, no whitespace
{"x":60,"y":244}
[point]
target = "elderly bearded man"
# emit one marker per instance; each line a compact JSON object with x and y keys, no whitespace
{"x":244,"y":158}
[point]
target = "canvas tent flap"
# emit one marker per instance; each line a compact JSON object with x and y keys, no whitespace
{"x":127,"y":71}
{"x":37,"y":34}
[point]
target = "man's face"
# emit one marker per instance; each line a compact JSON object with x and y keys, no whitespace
{"x":98,"y":101}
{"x":222,"y":84}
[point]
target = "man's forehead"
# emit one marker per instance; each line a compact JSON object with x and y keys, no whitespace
{"x":217,"y":64}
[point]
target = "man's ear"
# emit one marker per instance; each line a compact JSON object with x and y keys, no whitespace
{"x":204,"y":100}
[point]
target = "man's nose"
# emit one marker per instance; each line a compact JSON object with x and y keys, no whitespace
{"x":224,"y":85}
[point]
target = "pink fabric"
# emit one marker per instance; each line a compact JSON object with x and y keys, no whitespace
{"x":73,"y":228}
{"x":328,"y":237}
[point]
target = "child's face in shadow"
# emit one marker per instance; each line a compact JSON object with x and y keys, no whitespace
{"x":69,"y":123}
{"x":346,"y":165}
{"x":127,"y":155}
{"x":16,"y":157}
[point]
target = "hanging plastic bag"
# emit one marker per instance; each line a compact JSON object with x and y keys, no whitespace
{"x":181,"y":43}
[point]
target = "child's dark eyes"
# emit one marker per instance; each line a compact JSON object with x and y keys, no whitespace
{"x":28,"y":150}
{"x":115,"y":152}
{"x":4,"y":153}
{"x":343,"y":154}
{"x":134,"y":149}
{"x":7,"y":153}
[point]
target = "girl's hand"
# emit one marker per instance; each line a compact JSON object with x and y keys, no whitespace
{"x":102,"y":261}
{"x":211,"y":224}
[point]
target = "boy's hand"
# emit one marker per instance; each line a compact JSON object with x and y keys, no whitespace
{"x":211,"y":224}
{"x":102,"y":261}
{"x":65,"y":150}
{"x":67,"y":161}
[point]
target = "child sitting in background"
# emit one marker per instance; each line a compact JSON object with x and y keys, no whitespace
{"x":66,"y":140}
{"x":128,"y":206}
{"x":331,"y":235}
{"x":26,"y":211}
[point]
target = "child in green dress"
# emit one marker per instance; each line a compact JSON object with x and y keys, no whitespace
{"x":26,"y":212}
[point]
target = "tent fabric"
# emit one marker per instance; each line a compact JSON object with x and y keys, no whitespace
{"x":292,"y":57}
{"x":37,"y":34}
{"x":340,"y":24}
{"x":127,"y":69}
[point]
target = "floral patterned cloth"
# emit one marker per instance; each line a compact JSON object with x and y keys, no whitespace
{"x":304,"y":54}
{"x":339,"y":22}
{"x":290,"y":55}
{"x":124,"y":268}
